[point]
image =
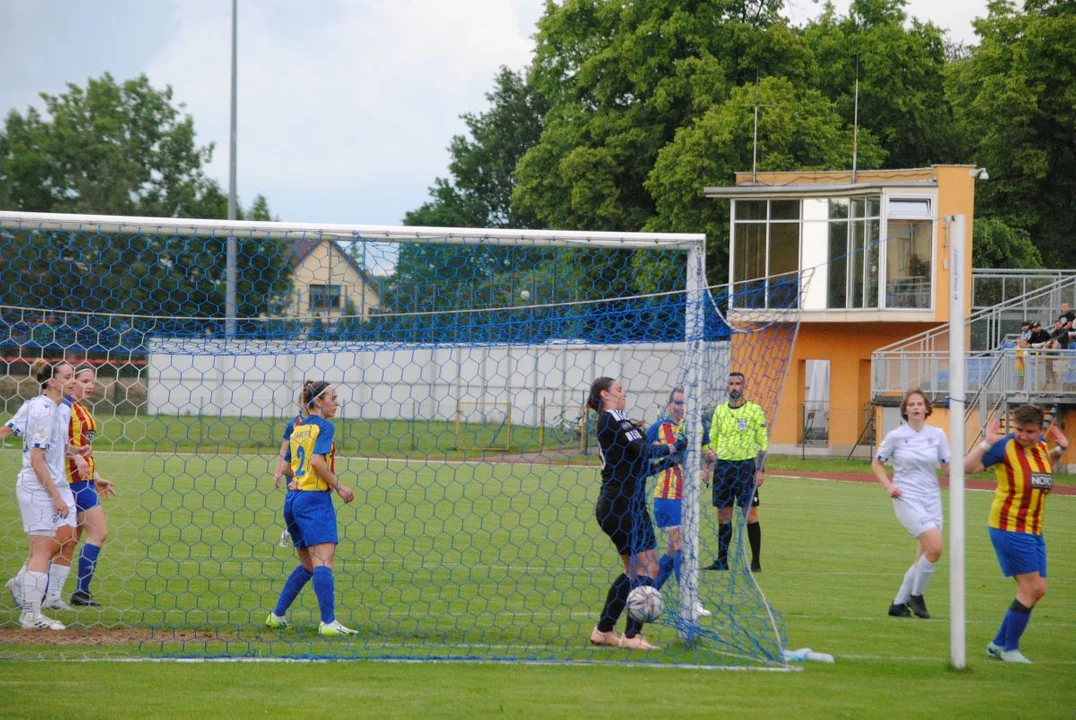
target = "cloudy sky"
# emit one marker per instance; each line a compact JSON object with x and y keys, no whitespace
{"x":345,"y":107}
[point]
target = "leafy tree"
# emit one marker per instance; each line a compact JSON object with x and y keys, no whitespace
{"x":483,"y":166}
{"x":797,"y":130}
{"x":124,"y":149}
{"x":1000,"y":245}
{"x":1015,"y":103}
{"x":623,"y":77}
{"x":901,"y":71}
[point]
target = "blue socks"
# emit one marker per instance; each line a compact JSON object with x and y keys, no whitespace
{"x":87,"y":563}
{"x":1015,"y":623}
{"x":298,"y":579}
{"x":325,"y":589}
{"x":665,"y":569}
{"x":667,"y":566}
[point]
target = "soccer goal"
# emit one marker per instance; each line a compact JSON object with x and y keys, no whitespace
{"x":439,"y":342}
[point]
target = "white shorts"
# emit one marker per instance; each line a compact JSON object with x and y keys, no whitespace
{"x":38,"y":514}
{"x":918,"y":515}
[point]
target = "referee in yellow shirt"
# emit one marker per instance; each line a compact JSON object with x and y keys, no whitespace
{"x":738,"y":442}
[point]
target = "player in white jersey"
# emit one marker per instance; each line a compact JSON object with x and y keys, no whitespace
{"x":915,"y":450}
{"x":16,"y":424}
{"x":45,"y":499}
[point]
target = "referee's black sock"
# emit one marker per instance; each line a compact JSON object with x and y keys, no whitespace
{"x":615,"y":600}
{"x":724,"y":538}
{"x":754,"y":536}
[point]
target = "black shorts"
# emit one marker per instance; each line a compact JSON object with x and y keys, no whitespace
{"x":627,"y":524}
{"x":734,"y":484}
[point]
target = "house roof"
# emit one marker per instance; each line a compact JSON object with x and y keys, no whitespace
{"x":301,"y":250}
{"x":809,"y":189}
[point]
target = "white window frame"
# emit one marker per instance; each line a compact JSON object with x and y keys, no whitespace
{"x":883,"y":258}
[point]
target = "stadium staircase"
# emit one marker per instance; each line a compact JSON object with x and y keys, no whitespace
{"x":1001,"y":301}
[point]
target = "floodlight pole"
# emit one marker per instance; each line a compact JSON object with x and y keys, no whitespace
{"x":230,"y":274}
{"x":957,"y":390}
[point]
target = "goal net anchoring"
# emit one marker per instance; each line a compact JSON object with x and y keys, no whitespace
{"x":479,"y":549}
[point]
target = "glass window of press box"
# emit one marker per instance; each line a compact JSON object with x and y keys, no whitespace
{"x":766,"y":253}
{"x":840,"y":244}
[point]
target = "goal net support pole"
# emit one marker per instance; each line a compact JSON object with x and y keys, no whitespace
{"x":955,"y":225}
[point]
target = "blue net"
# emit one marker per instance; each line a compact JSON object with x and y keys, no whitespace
{"x":461,"y":371}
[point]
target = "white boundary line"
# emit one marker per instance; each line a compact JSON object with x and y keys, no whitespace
{"x":424,"y":661}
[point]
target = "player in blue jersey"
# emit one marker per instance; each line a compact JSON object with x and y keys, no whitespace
{"x":283,"y":458}
{"x":308,"y":508}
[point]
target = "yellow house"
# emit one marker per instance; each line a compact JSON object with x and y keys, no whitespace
{"x":871,"y":252}
{"x":327,"y":283}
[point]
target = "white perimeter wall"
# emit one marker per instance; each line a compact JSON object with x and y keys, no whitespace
{"x":429,"y":383}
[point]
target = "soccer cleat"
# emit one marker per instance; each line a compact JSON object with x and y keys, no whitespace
{"x":39,"y":622}
{"x":335,"y":628}
{"x":700,"y":611}
{"x":718,"y":564}
{"x":276,"y":622}
{"x":1014,"y":656}
{"x":993,"y":650}
{"x":285,"y":538}
{"x":756,"y":567}
{"x":918,"y":606}
{"x":81,"y":598}
{"x":604,"y":639}
{"x":16,"y":591}
{"x":899,"y":610}
{"x":636,"y":643}
{"x":55,"y":603}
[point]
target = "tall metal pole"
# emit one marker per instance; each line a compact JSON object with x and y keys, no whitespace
{"x":855,"y":129}
{"x":957,"y":629}
{"x":689,"y":578}
{"x":230,"y":276}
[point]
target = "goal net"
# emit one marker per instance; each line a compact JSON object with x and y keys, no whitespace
{"x":461,"y":359}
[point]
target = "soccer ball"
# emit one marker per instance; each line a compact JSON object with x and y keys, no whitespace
{"x":645,"y":603}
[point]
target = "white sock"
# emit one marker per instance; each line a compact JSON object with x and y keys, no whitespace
{"x":906,"y":586}
{"x":925,"y":570}
{"x":33,"y":591}
{"x":57,"y":577}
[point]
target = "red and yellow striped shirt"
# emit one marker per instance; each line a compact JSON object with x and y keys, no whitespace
{"x":80,"y":433}
{"x":1024,"y":477}
{"x":670,"y":485}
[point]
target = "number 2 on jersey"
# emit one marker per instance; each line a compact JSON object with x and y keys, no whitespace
{"x":300,"y":453}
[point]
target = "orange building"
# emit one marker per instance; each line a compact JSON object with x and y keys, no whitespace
{"x":871,"y":252}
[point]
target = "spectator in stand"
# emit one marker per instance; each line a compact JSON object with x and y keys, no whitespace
{"x":1025,"y":330}
{"x":1060,"y":332}
{"x":1038,"y":336}
{"x":1021,"y":363}
{"x":1070,"y":320}
{"x":1053,"y":361}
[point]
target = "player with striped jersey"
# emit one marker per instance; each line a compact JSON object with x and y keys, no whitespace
{"x":738,"y":444}
{"x":915,"y":450}
{"x":46,"y":503}
{"x":1024,"y":470}
{"x":88,"y":489}
{"x":308,"y":509}
{"x":669,"y":488}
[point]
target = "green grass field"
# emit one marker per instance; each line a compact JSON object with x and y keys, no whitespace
{"x":437,"y":555}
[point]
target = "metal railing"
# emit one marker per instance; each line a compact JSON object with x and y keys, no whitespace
{"x":988,"y":327}
{"x":990,"y":287}
{"x":995,"y":380}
